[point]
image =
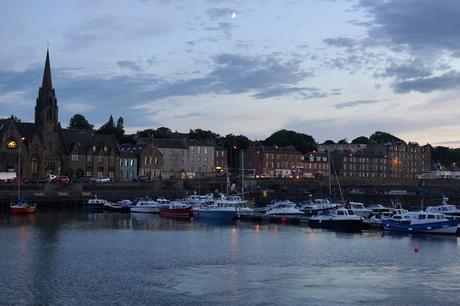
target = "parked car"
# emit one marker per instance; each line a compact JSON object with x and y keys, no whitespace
{"x":101,"y":179}
{"x":51,"y":178}
{"x":83,"y":179}
{"x":397,"y":192}
{"x":62,"y":179}
{"x":141,"y":178}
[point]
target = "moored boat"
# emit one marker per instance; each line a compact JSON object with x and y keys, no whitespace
{"x":340,"y":219}
{"x":448,"y":209}
{"x":23,"y":207}
{"x":176,"y":209}
{"x":310,"y":208}
{"x":146,"y":205}
{"x":284,"y":208}
{"x":116,"y":207}
{"x":420,"y":222}
{"x":94,"y":204}
{"x":359,"y":209}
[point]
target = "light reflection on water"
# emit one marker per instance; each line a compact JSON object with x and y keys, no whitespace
{"x":89,"y":258}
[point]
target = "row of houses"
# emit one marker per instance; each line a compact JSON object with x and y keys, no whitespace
{"x":390,"y":160}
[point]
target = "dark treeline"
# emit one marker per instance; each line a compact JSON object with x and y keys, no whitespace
{"x":235,"y":143}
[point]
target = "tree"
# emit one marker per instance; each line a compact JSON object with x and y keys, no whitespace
{"x":302,"y":142}
{"x":383,"y":137}
{"x":328,"y":142}
{"x":202,"y":134}
{"x":79,"y":122}
{"x":109,"y":128}
{"x":161,"y":132}
{"x":360,"y":140}
{"x":343,"y":141}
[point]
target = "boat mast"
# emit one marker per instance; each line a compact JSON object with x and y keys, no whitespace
{"x":330,"y":173}
{"x":18,"y":176}
{"x":242,"y":174}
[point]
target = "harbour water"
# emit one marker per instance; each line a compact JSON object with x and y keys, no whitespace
{"x":75,"y":258}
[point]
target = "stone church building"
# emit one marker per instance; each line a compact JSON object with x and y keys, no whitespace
{"x":46,"y":148}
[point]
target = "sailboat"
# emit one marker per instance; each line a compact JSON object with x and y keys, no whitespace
{"x":22,"y":206}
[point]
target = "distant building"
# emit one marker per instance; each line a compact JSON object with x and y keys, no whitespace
{"x":200,"y":157}
{"x":316,"y":164}
{"x":175,"y":157}
{"x":128,"y":164}
{"x":149,"y":159}
{"x":220,"y":160}
{"x":266,"y":161}
{"x":346,"y":147}
{"x":439,"y":171}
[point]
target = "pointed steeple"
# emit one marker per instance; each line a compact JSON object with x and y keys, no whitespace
{"x":47,"y":73}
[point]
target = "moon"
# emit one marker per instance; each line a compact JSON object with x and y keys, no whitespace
{"x":234,"y":15}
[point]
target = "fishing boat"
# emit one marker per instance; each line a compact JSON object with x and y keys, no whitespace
{"x":420,"y":222}
{"x":359,"y":209}
{"x":445,"y":208}
{"x":116,"y":207}
{"x":196,"y":200}
{"x":340,"y":219}
{"x":95,"y":204}
{"x":175,"y":209}
{"x":216,"y":210}
{"x":146,"y":205}
{"x":23,"y":207}
{"x":284,"y":208}
{"x":235,"y":201}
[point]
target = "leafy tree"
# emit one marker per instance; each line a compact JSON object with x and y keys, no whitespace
{"x":383,"y":137}
{"x":202,"y":134}
{"x":360,"y":140}
{"x":328,"y":142}
{"x":302,"y":142}
{"x":343,"y":141}
{"x":79,"y":122}
{"x":162,"y":132}
{"x":234,"y":144}
{"x":109,"y":128}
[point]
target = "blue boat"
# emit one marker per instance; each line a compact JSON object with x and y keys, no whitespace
{"x":420,"y":222}
{"x":218,"y":213}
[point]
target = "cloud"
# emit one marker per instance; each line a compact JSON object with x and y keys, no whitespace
{"x":413,"y":69}
{"x":421,"y":25}
{"x":340,"y":42}
{"x":77,"y":107}
{"x":355,"y":103}
{"x":225,"y":27}
{"x":131,"y":65}
{"x":446,"y":81}
{"x":215,"y":13}
{"x":16,"y":97}
{"x":304,"y":93}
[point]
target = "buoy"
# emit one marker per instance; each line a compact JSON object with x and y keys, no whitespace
{"x":283,"y":220}
{"x":416,"y":249}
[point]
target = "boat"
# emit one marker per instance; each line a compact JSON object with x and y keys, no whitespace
{"x":420,"y":222}
{"x":116,"y":207}
{"x":23,"y":207}
{"x":378,"y":208}
{"x":310,"y":208}
{"x":175,"y":209}
{"x":222,"y":211}
{"x":359,"y":209}
{"x":445,"y":208}
{"x":235,"y":201}
{"x":146,"y":205}
{"x":199,"y":200}
{"x":284,"y":208}
{"x":95,"y":204}
{"x":341,"y":219}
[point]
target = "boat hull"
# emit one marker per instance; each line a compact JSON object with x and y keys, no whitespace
{"x":176,"y":212}
{"x":117,"y":208}
{"x":442,"y":227}
{"x":215,"y":214}
{"x":93,"y":207}
{"x":147,"y":210}
{"x":23,"y":210}
{"x":339,"y":225}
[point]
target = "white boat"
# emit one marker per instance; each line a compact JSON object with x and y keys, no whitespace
{"x":196,"y":200}
{"x":95,"y":203}
{"x":146,"y":206}
{"x":284,"y":208}
{"x":420,"y":222}
{"x":340,"y":219}
{"x":447,"y":209}
{"x":378,"y":208}
{"x":236,"y":202}
{"x":318,"y":206}
{"x":359,"y":209}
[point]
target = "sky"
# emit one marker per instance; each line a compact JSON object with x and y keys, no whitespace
{"x":332,"y":69}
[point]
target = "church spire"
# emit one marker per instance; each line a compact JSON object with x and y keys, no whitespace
{"x":47,"y":73}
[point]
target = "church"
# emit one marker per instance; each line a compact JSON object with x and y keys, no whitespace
{"x":44,"y":147}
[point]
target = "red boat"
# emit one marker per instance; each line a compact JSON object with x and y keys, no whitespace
{"x":176,"y":209}
{"x":22,"y":207}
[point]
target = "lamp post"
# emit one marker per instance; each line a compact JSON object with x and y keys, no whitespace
{"x":19,"y":168}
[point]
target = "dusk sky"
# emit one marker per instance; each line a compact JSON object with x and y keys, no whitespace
{"x":331,"y":69}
